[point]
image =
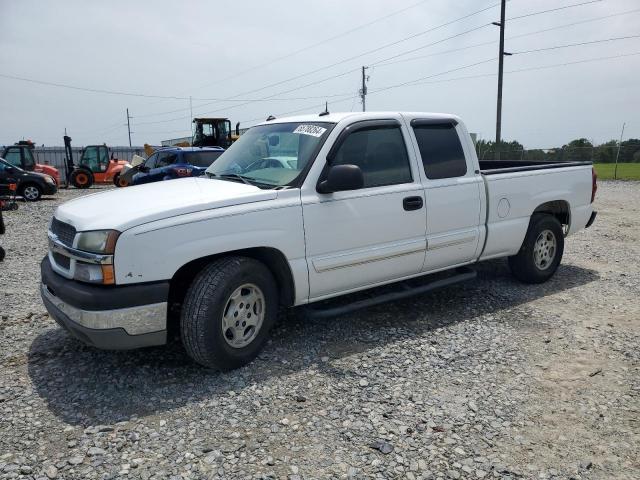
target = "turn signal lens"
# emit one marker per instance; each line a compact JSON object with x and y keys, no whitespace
{"x":108,"y":275}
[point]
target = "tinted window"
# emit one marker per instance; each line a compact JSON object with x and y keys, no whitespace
{"x":13,"y":157}
{"x":380,"y":153}
{"x":165,"y":159}
{"x":441,"y":151}
{"x":201,"y":159}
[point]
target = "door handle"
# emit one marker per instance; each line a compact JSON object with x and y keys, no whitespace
{"x":412,"y":203}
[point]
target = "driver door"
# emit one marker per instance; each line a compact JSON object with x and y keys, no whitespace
{"x":377,"y":234}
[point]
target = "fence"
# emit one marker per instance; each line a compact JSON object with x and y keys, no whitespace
{"x":55,"y":156}
{"x":596,"y":154}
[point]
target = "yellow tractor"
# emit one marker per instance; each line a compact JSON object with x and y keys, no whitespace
{"x":214,"y":132}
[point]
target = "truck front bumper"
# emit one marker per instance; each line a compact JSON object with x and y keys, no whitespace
{"x":111,"y":318}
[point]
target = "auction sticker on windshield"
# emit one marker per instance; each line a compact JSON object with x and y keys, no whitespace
{"x":312,"y":130}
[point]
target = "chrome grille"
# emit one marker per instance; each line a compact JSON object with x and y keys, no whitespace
{"x":65,"y":232}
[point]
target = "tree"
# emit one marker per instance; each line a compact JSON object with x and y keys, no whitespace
{"x":628,"y":150}
{"x":508,"y":150}
{"x":606,"y":152}
{"x":578,"y":150}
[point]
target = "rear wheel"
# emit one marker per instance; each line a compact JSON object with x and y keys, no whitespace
{"x":228,"y":312}
{"x":31,"y":192}
{"x":81,"y":178}
{"x":541,"y":251}
{"x":119,"y":181}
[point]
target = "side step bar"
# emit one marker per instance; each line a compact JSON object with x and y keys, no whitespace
{"x":402,"y":290}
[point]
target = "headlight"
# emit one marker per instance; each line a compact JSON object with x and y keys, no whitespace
{"x":98,"y":241}
{"x":49,"y":179}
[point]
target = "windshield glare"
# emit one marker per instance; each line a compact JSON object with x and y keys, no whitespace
{"x":273,"y":155}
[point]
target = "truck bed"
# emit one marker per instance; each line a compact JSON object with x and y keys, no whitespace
{"x":492,"y":167}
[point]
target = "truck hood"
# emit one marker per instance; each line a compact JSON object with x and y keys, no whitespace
{"x":124,"y":208}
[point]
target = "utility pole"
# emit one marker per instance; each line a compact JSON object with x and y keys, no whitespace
{"x":615,"y":172}
{"x":501,"y":56}
{"x":129,"y":126}
{"x":190,"y":116}
{"x":363,"y":90}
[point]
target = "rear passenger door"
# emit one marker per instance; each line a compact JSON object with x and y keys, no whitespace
{"x":363,"y":237}
{"x":452,"y":191}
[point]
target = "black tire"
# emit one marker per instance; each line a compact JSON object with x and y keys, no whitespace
{"x":120,"y":182}
{"x":81,"y":178}
{"x":31,"y":192}
{"x":528,"y":266}
{"x":201,"y":321}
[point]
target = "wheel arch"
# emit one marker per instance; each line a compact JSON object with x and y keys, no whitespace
{"x":271,"y":257}
{"x":560,"y":209}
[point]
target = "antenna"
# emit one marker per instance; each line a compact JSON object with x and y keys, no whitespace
{"x":326,"y":109}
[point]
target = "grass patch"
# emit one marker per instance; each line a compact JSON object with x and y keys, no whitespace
{"x":626,"y":171}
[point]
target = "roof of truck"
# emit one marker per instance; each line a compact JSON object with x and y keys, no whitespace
{"x":339,"y":116}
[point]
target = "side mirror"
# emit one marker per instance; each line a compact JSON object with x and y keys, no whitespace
{"x":10,"y":170}
{"x":341,"y":178}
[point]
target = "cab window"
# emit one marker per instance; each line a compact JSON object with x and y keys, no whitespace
{"x":381,"y":154}
{"x":90,"y":159}
{"x":29,"y":161}
{"x":103,"y":159}
{"x":12,"y":156}
{"x":441,"y":150}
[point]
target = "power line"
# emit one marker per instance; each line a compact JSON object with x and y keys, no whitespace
{"x":553,"y":10}
{"x":86,"y":89}
{"x":519,"y":70}
{"x":575,"y":44}
{"x":424,"y":32}
{"x":314,"y":45}
{"x":420,"y":82}
{"x":345,"y":60}
{"x":392,"y":44}
{"x":491,"y":42}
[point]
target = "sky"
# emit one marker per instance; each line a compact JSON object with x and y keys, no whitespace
{"x":251,"y":59}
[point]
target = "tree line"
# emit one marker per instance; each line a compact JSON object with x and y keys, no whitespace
{"x":580,"y":149}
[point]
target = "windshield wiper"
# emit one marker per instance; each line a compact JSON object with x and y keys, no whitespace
{"x":229,"y":176}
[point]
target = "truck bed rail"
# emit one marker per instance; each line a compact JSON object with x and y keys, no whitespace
{"x":493,"y":167}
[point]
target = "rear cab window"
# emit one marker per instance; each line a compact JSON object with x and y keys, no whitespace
{"x":440,"y":149}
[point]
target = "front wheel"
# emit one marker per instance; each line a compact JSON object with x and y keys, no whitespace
{"x":31,"y":192}
{"x":81,"y":178}
{"x":541,"y":251}
{"x":228,"y":312}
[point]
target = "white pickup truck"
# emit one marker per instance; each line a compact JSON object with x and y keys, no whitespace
{"x":297,"y":211}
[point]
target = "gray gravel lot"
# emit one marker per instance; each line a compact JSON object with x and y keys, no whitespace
{"x":490,"y":379}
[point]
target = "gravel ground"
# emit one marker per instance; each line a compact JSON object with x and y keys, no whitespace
{"x":490,"y":379}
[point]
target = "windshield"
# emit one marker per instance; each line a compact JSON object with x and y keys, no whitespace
{"x":273,"y":155}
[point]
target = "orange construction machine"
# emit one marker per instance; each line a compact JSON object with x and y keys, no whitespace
{"x":96,"y":165}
